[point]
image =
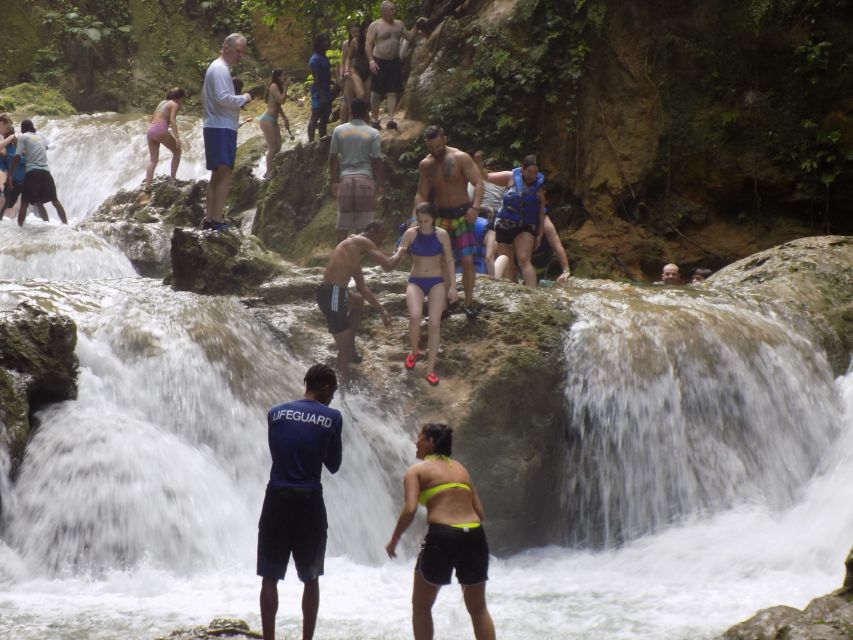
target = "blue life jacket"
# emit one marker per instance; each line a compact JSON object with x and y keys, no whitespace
{"x":521,"y":202}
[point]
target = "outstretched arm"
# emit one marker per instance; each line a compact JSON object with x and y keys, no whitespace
{"x":411,"y":488}
{"x":368,"y":295}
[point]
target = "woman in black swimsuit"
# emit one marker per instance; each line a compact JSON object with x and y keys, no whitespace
{"x":356,"y":68}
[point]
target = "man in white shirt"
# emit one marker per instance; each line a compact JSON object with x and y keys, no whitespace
{"x":221,"y":121}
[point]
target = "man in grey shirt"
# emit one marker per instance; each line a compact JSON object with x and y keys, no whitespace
{"x":39,"y":186}
{"x":356,"y":172}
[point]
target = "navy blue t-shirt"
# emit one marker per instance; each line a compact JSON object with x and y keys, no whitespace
{"x":303,"y":436}
{"x":321,"y":69}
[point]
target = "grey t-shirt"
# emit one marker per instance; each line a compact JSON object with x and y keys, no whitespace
{"x":33,"y":147}
{"x":356,"y":144}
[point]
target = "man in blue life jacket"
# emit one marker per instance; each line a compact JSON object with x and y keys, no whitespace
{"x":303,"y":435}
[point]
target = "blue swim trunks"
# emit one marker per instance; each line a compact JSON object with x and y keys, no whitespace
{"x":220,"y":147}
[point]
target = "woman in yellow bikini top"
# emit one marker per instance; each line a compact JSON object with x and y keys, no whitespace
{"x":455,"y":540}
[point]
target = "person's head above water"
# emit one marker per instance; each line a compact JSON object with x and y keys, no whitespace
{"x":435,"y":140}
{"x":435,"y":438}
{"x":699,"y":275}
{"x":27,"y":126}
{"x":671,"y":274}
{"x":321,"y":382}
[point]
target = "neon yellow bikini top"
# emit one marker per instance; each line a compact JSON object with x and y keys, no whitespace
{"x":428,"y":493}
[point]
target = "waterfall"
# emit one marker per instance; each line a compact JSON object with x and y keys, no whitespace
{"x":707,"y":474}
{"x":685,"y":404}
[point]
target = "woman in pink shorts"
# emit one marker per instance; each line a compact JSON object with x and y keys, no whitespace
{"x":165,"y":116}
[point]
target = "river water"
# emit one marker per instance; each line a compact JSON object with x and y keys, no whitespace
{"x":136,"y":507}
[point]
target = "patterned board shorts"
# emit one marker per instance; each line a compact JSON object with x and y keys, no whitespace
{"x":463,"y":237}
{"x":355,"y":202}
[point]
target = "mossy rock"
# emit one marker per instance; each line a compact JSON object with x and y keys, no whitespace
{"x":35,"y":100}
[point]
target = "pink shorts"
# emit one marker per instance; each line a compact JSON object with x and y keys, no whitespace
{"x":157,"y":129}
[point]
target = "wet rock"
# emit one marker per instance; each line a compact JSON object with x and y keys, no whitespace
{"x":37,"y":366}
{"x":220,"y":263}
{"x":141,"y":226}
{"x":218,"y":628}
{"x":825,"y":618}
{"x":810,"y":282}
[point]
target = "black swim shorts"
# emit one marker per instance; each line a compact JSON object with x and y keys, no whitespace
{"x":38,"y":187}
{"x":334,"y":303}
{"x":508,"y":234}
{"x":389,"y":78}
{"x":293,"y":521}
{"x":446,"y":548}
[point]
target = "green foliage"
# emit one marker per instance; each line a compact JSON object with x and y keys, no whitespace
{"x":94,"y":29}
{"x":327,"y":15}
{"x":499,"y":100}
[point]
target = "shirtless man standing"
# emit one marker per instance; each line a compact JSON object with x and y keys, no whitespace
{"x":343,"y":309}
{"x":382,"y":47}
{"x":447,"y":171}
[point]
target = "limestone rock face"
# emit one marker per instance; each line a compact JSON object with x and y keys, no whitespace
{"x":287,"y":219}
{"x":142,"y":227}
{"x":220,"y":263}
{"x":811,"y":281}
{"x":37,"y":366}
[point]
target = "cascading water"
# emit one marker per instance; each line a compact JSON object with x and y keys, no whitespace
{"x":685,"y":404}
{"x":712,"y":444}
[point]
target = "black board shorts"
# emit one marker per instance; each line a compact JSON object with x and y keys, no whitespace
{"x":13,"y":193}
{"x":293,"y":522}
{"x":446,"y":548}
{"x":334,"y":303}
{"x":389,"y":78}
{"x":38,"y":187}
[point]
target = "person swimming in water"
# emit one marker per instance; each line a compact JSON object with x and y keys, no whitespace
{"x":165,"y":116}
{"x":455,"y":538}
{"x":432,"y":277}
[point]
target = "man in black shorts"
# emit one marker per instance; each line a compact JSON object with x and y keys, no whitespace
{"x":303,"y":436}
{"x":343,"y":309}
{"x":39,"y":186}
{"x":382,"y":46}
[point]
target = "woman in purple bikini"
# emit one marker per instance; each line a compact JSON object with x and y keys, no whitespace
{"x":432,"y":277}
{"x":165,"y":116}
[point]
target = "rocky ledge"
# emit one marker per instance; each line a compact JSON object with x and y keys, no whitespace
{"x":37,"y":366}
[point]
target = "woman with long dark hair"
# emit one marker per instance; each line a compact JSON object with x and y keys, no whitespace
{"x":432,"y":278}
{"x":355,"y":65}
{"x":165,"y":117}
{"x":274,"y":97}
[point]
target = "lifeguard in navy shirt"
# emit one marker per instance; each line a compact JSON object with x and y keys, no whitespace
{"x":303,"y":436}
